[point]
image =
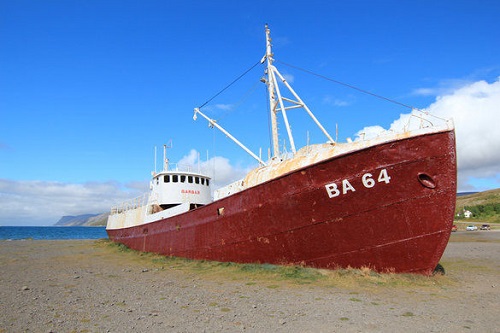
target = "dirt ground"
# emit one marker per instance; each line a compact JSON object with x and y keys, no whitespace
{"x":90,"y":286}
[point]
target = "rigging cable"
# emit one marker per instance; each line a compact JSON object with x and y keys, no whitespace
{"x":349,"y":86}
{"x":234,"y":81}
{"x":241,"y":100}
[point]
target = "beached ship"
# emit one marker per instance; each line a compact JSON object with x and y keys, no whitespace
{"x":386,"y":203}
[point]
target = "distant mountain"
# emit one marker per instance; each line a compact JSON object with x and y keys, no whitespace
{"x":461,"y":194}
{"x":84,"y":220}
{"x":479,"y":198}
{"x":485,"y":206}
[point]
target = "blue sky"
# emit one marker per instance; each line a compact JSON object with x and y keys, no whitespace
{"x":89,"y":88}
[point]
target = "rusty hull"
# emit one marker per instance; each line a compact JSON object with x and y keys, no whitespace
{"x":397,"y":225}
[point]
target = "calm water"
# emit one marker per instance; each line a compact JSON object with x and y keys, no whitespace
{"x":52,"y":233}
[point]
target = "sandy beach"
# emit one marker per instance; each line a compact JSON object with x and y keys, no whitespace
{"x":92,"y":286}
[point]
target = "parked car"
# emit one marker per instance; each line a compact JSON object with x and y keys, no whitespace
{"x":471,"y":228}
{"x":485,"y":227}
{"x":454,"y":228}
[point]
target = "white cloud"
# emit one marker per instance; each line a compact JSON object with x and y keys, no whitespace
{"x":44,"y":202}
{"x":475,"y":109}
{"x":444,"y":87}
{"x":370,"y":132}
{"x":333,"y":101}
{"x":27,"y":202}
{"x":289,"y":78}
{"x":218,"y":168}
{"x":216,"y":110}
{"x":224,"y":107}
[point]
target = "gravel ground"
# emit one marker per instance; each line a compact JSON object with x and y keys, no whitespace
{"x":88,"y":286}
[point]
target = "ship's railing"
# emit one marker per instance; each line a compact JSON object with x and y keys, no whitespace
{"x":417,"y":120}
{"x":188,"y":168}
{"x":130,"y":204}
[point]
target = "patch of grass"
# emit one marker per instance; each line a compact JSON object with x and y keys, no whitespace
{"x":354,"y":299}
{"x":275,"y":276}
{"x":120,"y":247}
{"x":408,"y":314}
{"x":344,"y":318}
{"x":121,"y":304}
{"x":300,"y":273}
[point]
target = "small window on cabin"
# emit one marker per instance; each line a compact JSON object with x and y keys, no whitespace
{"x":190,"y":179}
{"x":175,"y":178}
{"x":197,"y":180}
{"x":203,"y":181}
{"x":208,"y":182}
{"x":157,"y":182}
{"x":183,"y":178}
{"x":166,"y":179}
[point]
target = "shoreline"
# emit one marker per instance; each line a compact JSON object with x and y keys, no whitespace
{"x":87,"y":285}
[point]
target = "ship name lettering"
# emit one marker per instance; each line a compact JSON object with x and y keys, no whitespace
{"x":190,"y":191}
{"x":367,"y":180}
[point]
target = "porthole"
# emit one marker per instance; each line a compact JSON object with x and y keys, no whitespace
{"x":426,"y":180}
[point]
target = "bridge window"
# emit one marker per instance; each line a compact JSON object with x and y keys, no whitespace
{"x":175,"y":178}
{"x":166,"y":179}
{"x":183,"y":178}
{"x":208,"y":182}
{"x":197,"y":180}
{"x":190,"y":179}
{"x":203,"y":181}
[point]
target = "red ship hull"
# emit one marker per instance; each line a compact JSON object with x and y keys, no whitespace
{"x":389,"y":207}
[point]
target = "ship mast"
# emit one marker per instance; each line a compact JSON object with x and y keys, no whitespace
{"x":271,"y":88}
{"x":277,"y":101}
{"x":277,"y":104}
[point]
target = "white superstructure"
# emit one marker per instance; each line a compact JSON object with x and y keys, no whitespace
{"x":172,"y":192}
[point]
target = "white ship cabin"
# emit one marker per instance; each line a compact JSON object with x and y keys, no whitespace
{"x":173,"y":188}
{"x":172,"y":192}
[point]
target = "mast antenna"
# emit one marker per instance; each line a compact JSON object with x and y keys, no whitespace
{"x":155,"y":160}
{"x":165,"y":159}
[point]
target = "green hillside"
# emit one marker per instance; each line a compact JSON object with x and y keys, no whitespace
{"x":484,"y":206}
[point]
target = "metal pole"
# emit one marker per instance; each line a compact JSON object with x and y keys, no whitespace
{"x":214,"y":123}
